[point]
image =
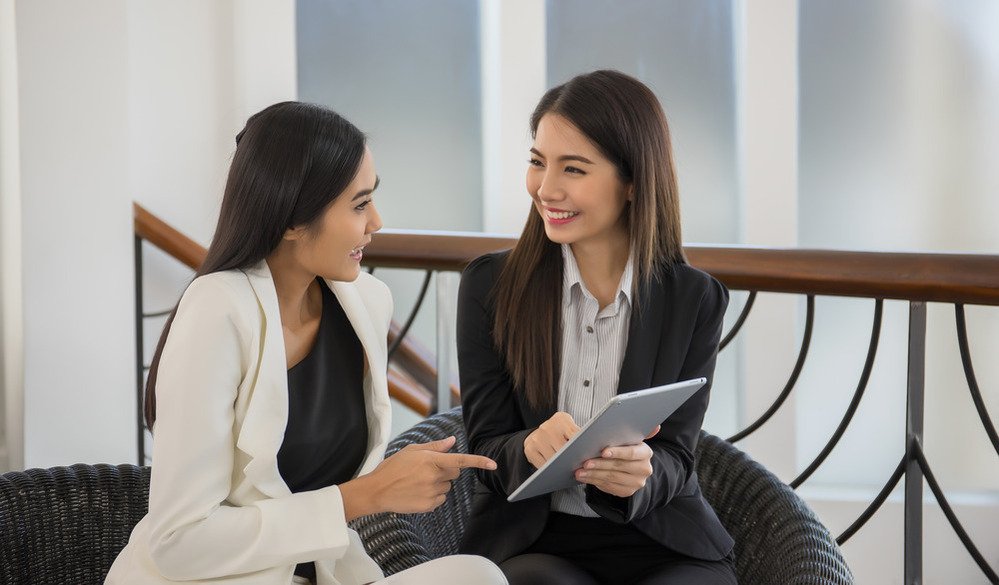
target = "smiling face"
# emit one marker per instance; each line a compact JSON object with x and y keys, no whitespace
{"x":332,"y":248}
{"x":576,"y":190}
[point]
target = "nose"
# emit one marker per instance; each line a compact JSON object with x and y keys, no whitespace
{"x":545,"y":186}
{"x":374,"y":220}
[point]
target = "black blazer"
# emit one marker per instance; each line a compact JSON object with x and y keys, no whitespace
{"x":673,"y":337}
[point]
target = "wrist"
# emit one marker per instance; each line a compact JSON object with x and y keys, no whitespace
{"x":358,"y":498}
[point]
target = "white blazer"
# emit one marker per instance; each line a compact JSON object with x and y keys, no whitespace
{"x":219,"y":511}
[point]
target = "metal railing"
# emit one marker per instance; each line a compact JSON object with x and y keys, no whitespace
{"x":915,"y":278}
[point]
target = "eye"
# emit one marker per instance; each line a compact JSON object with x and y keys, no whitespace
{"x":535,"y":162}
{"x":575,"y":170}
{"x":362,"y":205}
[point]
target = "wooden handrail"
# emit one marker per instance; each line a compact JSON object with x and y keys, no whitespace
{"x":410,"y":355}
{"x":914,"y":276}
{"x":420,"y":364}
{"x":160,"y":234}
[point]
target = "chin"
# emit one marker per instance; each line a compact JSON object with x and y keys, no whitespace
{"x":559,"y":238}
{"x":345,"y":275}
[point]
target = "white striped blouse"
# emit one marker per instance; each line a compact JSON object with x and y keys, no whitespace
{"x":593,"y":346}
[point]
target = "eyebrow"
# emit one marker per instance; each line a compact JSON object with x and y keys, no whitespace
{"x":567,"y":157}
{"x":366,"y":192}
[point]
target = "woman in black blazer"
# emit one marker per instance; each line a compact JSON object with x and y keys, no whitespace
{"x":595,"y":299}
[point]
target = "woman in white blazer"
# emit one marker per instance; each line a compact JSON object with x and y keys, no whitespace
{"x":267,"y":394}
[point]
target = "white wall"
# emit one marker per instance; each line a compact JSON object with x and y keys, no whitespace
{"x":119,"y":101}
{"x":11,"y":323}
{"x":76,"y":246}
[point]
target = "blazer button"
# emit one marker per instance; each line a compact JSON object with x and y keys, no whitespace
{"x":586,"y":383}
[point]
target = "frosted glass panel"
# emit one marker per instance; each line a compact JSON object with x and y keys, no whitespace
{"x":899,"y":126}
{"x":684,"y":51}
{"x":407,"y":73}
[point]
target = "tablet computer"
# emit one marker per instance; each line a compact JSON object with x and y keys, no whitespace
{"x":626,"y":419}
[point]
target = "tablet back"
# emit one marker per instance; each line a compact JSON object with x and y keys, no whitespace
{"x":625,"y":419}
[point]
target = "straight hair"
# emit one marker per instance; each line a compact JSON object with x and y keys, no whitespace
{"x":623,"y":118}
{"x":292,"y":160}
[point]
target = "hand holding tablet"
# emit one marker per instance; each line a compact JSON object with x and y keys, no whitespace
{"x":626,"y":419}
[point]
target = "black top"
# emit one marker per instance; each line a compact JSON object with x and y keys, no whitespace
{"x":327,"y":433}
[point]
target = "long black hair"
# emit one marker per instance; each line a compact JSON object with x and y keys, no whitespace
{"x":623,"y":118}
{"x":292,"y":160}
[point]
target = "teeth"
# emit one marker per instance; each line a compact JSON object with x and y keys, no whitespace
{"x":562,"y":214}
{"x":356,"y":250}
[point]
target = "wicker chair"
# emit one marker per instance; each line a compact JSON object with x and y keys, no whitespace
{"x":67,"y":524}
{"x":778,"y":538}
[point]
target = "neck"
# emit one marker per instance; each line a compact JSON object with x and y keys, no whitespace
{"x":299,"y":297}
{"x":603,"y":259}
{"x":601,"y":265}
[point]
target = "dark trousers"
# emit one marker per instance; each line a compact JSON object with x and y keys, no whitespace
{"x":592,"y":551}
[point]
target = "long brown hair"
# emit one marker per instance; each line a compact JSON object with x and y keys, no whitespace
{"x":292,"y":160}
{"x":624,"y":120}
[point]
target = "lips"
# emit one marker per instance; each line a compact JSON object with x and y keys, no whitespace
{"x":358,"y":252}
{"x":559,"y":216}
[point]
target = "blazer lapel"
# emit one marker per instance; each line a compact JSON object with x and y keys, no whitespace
{"x":376,"y":383}
{"x":266,"y":416}
{"x":644,"y":337}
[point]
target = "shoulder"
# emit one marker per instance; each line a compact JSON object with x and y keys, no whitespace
{"x":486,"y":267}
{"x":694,"y":285}
{"x":478,"y":278}
{"x":223,"y":292}
{"x":216,"y":303}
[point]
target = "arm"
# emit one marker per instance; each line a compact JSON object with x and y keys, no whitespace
{"x":493,"y":418}
{"x":199,"y":529}
{"x":206,"y":519}
{"x":688,"y":350}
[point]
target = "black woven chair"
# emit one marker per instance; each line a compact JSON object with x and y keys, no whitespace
{"x":67,"y":524}
{"x":401,"y":541}
{"x":779,"y":540}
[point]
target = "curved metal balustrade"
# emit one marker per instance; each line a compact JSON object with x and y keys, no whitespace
{"x":917,"y":278}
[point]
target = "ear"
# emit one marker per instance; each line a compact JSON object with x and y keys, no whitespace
{"x":295,"y":233}
{"x":629,"y":195}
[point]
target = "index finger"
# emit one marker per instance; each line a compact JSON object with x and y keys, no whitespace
{"x":465,"y":460}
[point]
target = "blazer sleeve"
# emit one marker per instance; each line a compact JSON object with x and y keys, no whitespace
{"x":494,"y":422}
{"x":689,"y":349}
{"x":196,"y":533}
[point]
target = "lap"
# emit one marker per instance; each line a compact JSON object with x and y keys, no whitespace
{"x":692,"y":572}
{"x":593,"y":551}
{"x":530,"y":569}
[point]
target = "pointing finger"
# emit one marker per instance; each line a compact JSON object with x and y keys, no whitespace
{"x":465,"y":460}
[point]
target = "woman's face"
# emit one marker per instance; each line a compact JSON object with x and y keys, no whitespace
{"x":333,"y":248}
{"x":576,"y":190}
